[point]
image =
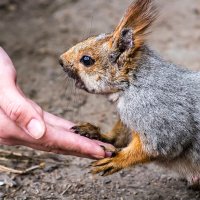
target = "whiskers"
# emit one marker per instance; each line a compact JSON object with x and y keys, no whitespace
{"x":73,"y":96}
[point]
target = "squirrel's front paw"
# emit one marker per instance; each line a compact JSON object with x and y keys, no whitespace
{"x":87,"y":130}
{"x":92,"y":132}
{"x":108,"y":166}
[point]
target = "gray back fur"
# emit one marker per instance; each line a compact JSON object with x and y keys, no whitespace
{"x":163,"y":105}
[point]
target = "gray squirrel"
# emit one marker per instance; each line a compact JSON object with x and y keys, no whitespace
{"x":158,"y":102}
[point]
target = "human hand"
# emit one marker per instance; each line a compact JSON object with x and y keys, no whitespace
{"x":22,"y":122}
{"x":57,"y":139}
{"x":13,"y":102}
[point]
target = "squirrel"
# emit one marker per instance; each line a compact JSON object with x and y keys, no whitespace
{"x":158,"y":102}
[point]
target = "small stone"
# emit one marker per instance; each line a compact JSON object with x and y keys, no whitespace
{"x":50,"y":168}
{"x":107,"y":181}
{"x":2,"y":183}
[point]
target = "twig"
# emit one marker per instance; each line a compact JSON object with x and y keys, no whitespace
{"x":9,"y":155}
{"x":15,"y":171}
{"x":2,"y":151}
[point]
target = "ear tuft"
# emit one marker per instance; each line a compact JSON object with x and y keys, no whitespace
{"x":139,"y":17}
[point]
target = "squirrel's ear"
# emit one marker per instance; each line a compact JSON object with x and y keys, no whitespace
{"x":138,"y":18}
{"x":124,"y":43}
{"x":125,"y":40}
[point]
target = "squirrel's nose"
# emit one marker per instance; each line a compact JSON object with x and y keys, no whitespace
{"x":65,"y":63}
{"x":61,"y":62}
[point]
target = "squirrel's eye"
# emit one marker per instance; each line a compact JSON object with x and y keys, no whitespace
{"x":87,"y":61}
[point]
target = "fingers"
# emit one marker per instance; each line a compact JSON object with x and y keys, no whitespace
{"x":66,"y":125}
{"x":58,"y":121}
{"x":56,"y":140}
{"x":70,"y":142}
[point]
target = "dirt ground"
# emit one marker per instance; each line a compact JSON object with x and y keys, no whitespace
{"x":35,"y":33}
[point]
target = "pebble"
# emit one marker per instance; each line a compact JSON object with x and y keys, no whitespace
{"x":107,"y":181}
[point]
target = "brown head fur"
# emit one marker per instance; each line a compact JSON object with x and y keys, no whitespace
{"x":112,"y":57}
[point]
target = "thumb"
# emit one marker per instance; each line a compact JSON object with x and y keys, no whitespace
{"x":21,"y":111}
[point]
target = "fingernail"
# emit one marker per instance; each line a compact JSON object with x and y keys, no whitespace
{"x":108,"y":154}
{"x":36,"y":129}
{"x":100,"y":153}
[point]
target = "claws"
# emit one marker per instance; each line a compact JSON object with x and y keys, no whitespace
{"x":105,"y":169}
{"x":100,"y":162}
{"x":87,"y":130}
{"x":106,"y":166}
{"x":75,"y":129}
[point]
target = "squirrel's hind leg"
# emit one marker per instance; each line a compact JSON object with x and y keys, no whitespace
{"x":129,"y":156}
